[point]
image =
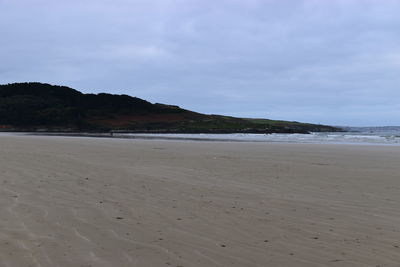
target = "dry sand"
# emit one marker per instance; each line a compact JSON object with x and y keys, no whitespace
{"x":110,"y":202}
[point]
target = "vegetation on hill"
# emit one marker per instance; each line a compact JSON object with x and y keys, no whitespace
{"x":38,"y":106}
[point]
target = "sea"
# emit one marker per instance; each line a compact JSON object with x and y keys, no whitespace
{"x":389,"y":135}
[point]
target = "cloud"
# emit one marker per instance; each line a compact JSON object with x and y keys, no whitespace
{"x":295,"y":59}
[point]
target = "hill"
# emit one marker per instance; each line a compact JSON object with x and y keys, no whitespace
{"x":45,"y":107}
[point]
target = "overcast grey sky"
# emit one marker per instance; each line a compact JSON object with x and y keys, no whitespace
{"x":323,"y":61}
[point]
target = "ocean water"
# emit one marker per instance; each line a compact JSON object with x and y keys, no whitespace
{"x":352,"y":135}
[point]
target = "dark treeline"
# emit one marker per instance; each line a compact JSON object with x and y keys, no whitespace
{"x":38,"y":104}
{"x":33,"y":106}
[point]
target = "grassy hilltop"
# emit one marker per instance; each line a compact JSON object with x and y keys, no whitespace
{"x":38,"y":106}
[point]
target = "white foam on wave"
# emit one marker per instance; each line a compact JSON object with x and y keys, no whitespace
{"x":337,"y":137}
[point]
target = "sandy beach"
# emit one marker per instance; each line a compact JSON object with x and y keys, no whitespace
{"x":72,"y":201}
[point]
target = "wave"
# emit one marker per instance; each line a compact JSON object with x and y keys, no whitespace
{"x":323,"y":138}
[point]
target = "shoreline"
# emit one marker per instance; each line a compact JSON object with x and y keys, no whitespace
{"x":203,"y":138}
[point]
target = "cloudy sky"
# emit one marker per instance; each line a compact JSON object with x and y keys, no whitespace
{"x":323,"y":61}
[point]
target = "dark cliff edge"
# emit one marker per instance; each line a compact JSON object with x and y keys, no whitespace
{"x":39,"y":107}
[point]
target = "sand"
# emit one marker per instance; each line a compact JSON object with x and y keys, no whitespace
{"x":69,"y":201}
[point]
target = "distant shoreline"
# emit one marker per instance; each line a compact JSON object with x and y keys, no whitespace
{"x":333,"y":138}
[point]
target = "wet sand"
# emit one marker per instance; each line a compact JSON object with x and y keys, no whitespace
{"x":71,"y":201}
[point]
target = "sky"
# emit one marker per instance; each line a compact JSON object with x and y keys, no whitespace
{"x":332,"y":62}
